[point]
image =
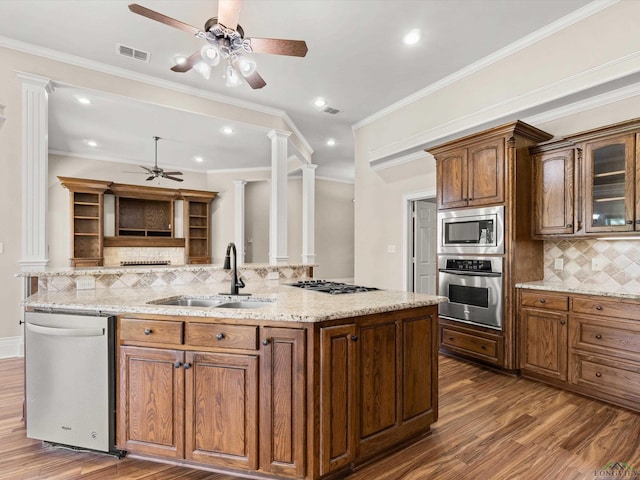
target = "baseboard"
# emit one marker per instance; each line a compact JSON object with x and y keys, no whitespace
{"x":11,"y":347}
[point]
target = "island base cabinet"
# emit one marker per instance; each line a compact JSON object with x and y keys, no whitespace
{"x":151,"y":401}
{"x":221,"y":411}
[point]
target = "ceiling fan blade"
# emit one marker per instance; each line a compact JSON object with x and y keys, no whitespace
{"x":229,"y":13}
{"x":188,"y":63}
{"x":172,"y":173}
{"x":294,"y":48}
{"x":151,"y":177}
{"x":147,"y":169}
{"x":159,"y":17}
{"x":255,"y":81}
{"x":173,"y":178}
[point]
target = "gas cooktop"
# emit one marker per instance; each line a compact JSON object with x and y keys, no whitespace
{"x":333,"y":288}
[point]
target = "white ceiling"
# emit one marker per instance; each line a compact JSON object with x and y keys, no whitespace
{"x":356,"y":60}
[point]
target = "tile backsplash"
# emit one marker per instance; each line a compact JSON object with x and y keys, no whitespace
{"x":619,"y":261}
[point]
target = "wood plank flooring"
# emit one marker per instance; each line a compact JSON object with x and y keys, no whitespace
{"x":491,"y":427}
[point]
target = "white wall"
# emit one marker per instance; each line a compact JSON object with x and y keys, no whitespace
{"x":594,"y":51}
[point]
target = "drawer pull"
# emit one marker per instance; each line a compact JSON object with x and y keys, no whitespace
{"x":569,"y":225}
{"x":598,"y":374}
{"x":562,"y":322}
{"x":266,"y":342}
{"x":354,"y":338}
{"x":177,"y":365}
{"x":542,"y":300}
{"x":220,"y":336}
{"x":484,"y":347}
{"x":598,"y":307}
{"x":598,"y":336}
{"x":147,"y":331}
{"x":451,"y":338}
{"x":187,"y":366}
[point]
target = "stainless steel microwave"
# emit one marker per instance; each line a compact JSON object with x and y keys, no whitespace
{"x":471,"y":230}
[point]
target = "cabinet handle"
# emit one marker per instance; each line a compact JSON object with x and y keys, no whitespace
{"x":562,"y":322}
{"x":177,"y":365}
{"x":638,"y":222}
{"x":484,"y":347}
{"x":629,"y":222}
{"x":187,"y":366}
{"x":542,"y":300}
{"x":147,"y":331}
{"x":354,"y":338}
{"x":598,"y":336}
{"x":451,"y":338}
{"x":266,"y":342}
{"x":598,"y":374}
{"x":219,"y":336}
{"x":569,"y":225}
{"x":598,"y":307}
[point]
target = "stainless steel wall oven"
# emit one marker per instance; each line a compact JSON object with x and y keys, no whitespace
{"x":475,"y":290}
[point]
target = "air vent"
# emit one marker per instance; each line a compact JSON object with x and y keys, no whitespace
{"x":330,"y":110}
{"x":133,"y":53}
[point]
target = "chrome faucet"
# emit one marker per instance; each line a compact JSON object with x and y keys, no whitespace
{"x":236,"y":282}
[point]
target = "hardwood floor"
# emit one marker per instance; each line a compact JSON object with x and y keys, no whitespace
{"x":491,"y":426}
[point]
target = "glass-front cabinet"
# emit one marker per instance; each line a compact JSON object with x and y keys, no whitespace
{"x":610,"y":184}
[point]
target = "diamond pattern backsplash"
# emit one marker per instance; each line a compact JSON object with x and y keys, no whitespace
{"x":619,"y":261}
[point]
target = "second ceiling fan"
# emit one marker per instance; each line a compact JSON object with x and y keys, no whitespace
{"x":226,"y":41}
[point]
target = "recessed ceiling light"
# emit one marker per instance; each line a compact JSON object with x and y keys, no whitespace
{"x":227,"y":130}
{"x":83,"y":100}
{"x":412,"y":37}
{"x":179,"y":59}
{"x":319,"y":102}
{"x":331,"y":142}
{"x":92,"y":143}
{"x":198,"y":159}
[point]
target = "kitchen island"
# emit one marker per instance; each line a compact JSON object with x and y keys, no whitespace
{"x":306,"y":385}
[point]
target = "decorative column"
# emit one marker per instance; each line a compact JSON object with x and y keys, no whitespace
{"x":35,"y":159}
{"x":308,"y":214}
{"x":278,"y":206}
{"x":238,"y":226}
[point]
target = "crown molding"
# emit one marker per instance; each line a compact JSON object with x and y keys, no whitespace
{"x":409,"y":157}
{"x":554,"y":27}
{"x":62,"y":57}
{"x":336,"y":180}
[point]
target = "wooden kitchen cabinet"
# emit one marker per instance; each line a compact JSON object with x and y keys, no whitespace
{"x":595,"y":352}
{"x":197,"y":225}
{"x":554,"y":191}
{"x":472,"y":176}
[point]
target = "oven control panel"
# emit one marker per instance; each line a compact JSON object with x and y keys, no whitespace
{"x":466,"y":264}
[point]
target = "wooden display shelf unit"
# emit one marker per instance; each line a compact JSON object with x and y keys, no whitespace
{"x":197,"y":226}
{"x":87,"y":211}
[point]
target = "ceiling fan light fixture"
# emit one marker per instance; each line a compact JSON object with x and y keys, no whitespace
{"x":247,"y":66}
{"x":179,"y":59}
{"x":210,"y":55}
{"x":203,"y":69}
{"x":231,"y":77}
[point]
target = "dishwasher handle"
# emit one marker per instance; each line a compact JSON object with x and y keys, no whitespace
{"x":66,"y":332}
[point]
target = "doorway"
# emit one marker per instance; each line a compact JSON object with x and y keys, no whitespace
{"x":420,"y":244}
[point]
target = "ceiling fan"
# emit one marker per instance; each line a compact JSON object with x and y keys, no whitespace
{"x":226,"y":41}
{"x":156,"y":171}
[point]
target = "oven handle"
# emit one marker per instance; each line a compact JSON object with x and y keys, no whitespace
{"x":470,"y":273}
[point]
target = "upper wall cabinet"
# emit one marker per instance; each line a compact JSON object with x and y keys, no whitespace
{"x":588,"y":184}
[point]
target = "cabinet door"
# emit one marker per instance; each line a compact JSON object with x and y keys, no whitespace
{"x":610,"y":184}
{"x":151,"y":401}
{"x":544,"y":343}
{"x":485,"y":170}
{"x":337,"y":397}
{"x":282,"y":401}
{"x":553,"y":183}
{"x":452,"y":184}
{"x":221,"y":411}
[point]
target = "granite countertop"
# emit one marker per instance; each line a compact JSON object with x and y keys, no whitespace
{"x":288,"y":303}
{"x":605,"y":290}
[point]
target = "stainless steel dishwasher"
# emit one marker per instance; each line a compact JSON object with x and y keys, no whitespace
{"x":69,"y":373}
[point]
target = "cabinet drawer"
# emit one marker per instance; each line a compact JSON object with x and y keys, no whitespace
{"x":606,"y":376}
{"x":156,"y":331}
{"x":222,"y":336}
{"x":607,"y":307}
{"x":617,"y":338}
{"x":486,"y":347}
{"x":548,"y":300}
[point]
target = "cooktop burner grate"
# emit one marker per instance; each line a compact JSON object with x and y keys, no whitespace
{"x":334,"y":288}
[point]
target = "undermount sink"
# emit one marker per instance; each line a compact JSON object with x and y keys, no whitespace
{"x":211,"y":302}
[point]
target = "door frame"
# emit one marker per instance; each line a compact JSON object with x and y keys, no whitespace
{"x":407,"y":233}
